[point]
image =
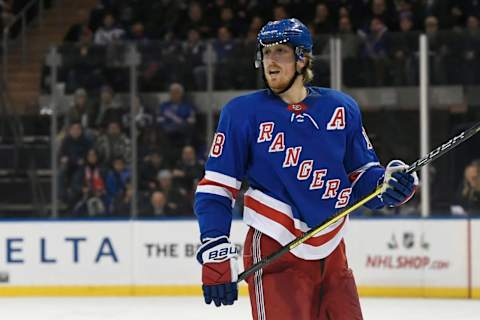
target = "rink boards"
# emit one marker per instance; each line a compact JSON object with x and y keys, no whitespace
{"x":389,"y":257}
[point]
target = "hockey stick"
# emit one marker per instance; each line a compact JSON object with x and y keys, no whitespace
{"x":431,"y":156}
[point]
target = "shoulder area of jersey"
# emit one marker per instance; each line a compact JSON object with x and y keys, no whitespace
{"x":338,"y":97}
{"x":245,"y":102}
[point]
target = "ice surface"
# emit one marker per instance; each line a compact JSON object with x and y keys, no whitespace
{"x":192,"y":308}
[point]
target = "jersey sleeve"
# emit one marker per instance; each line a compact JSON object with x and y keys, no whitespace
{"x":361,"y":162}
{"x":224,"y":171}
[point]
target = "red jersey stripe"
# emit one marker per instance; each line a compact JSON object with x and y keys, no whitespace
{"x":287,"y":222}
{"x":233,"y":191}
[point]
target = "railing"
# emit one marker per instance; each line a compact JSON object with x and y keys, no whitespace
{"x":22,"y":18}
{"x":212,"y":76}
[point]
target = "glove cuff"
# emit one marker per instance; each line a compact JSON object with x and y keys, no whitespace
{"x":216,"y":250}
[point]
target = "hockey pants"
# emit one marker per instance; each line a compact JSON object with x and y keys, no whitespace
{"x":291,"y":288}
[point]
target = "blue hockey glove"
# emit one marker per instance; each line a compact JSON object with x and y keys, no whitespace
{"x":398,"y":187}
{"x":219,"y":271}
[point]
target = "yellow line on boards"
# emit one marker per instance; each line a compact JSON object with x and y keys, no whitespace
{"x":476,"y":293}
{"x":427,"y":292}
{"x":19,"y":291}
{"x":187,"y":290}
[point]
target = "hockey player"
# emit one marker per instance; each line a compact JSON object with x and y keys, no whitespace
{"x":305,"y":155}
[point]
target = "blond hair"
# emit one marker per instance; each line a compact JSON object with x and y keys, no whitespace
{"x":307,"y":71}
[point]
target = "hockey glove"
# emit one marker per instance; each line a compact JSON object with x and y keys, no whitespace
{"x":219,"y":271}
{"x":398,"y":187}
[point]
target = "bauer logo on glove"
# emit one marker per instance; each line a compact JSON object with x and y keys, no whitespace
{"x":222,"y":254}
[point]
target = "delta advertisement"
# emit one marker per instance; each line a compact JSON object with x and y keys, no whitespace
{"x":438,"y":257}
{"x":65,"y":253}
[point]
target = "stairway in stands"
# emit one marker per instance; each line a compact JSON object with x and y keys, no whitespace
{"x":23,"y":80}
{"x":25,"y":175}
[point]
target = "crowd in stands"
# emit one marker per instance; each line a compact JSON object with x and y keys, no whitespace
{"x":95,"y":156}
{"x":379,"y":48}
{"x":380,"y":41}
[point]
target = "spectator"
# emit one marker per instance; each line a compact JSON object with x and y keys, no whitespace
{"x":350,"y":41}
{"x":157,"y":206}
{"x":343,"y":12}
{"x":351,"y":44}
{"x":322,"y":20}
{"x":84,"y":66}
{"x":161,"y":17}
{"x":149,"y":171}
{"x":401,"y":48}
{"x":243,"y":10}
{"x":228,"y":19}
{"x":97,"y":14}
{"x":170,"y":67}
{"x":194,"y":50}
{"x":79,"y":30}
{"x":213,"y":9}
{"x":437,"y":51}
{"x":88,"y":187}
{"x":109,"y":109}
{"x":117,"y":179}
{"x":123,"y":202}
{"x":73,"y":149}
{"x":81,"y":111}
{"x":456,"y":18}
{"x":195,"y":20}
{"x":188,"y":169}
{"x":143,"y":117}
{"x":406,"y":23}
{"x":113,"y":144}
{"x":177,"y":199}
{"x":137,"y":34}
{"x":149,"y":140}
{"x":471,"y":54}
{"x":108,"y":33}
{"x":468,"y":195}
{"x":375,"y":52}
{"x":176,"y":117}
{"x":436,"y":8}
{"x":256,"y":24}
{"x":244,"y":76}
{"x":279,"y":12}
{"x":382,"y":11}
{"x":224,"y":47}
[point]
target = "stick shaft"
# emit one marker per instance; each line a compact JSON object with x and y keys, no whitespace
{"x":430,"y":157}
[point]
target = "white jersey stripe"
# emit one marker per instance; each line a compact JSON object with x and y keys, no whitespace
{"x":215,"y":190}
{"x":287,"y":210}
{"x":284,"y":236}
{"x":223,"y":179}
{"x":365,"y":167}
{"x":361,"y":171}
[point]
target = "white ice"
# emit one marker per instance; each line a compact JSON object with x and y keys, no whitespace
{"x":192,"y":308}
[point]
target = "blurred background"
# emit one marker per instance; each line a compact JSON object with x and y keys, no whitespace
{"x":107,"y":107}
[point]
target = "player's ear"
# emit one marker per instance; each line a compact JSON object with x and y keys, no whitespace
{"x":300,"y":64}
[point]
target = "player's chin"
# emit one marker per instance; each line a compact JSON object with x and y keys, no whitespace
{"x":276,"y":86}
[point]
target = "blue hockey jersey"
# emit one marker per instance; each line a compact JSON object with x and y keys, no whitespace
{"x":303,"y":162}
